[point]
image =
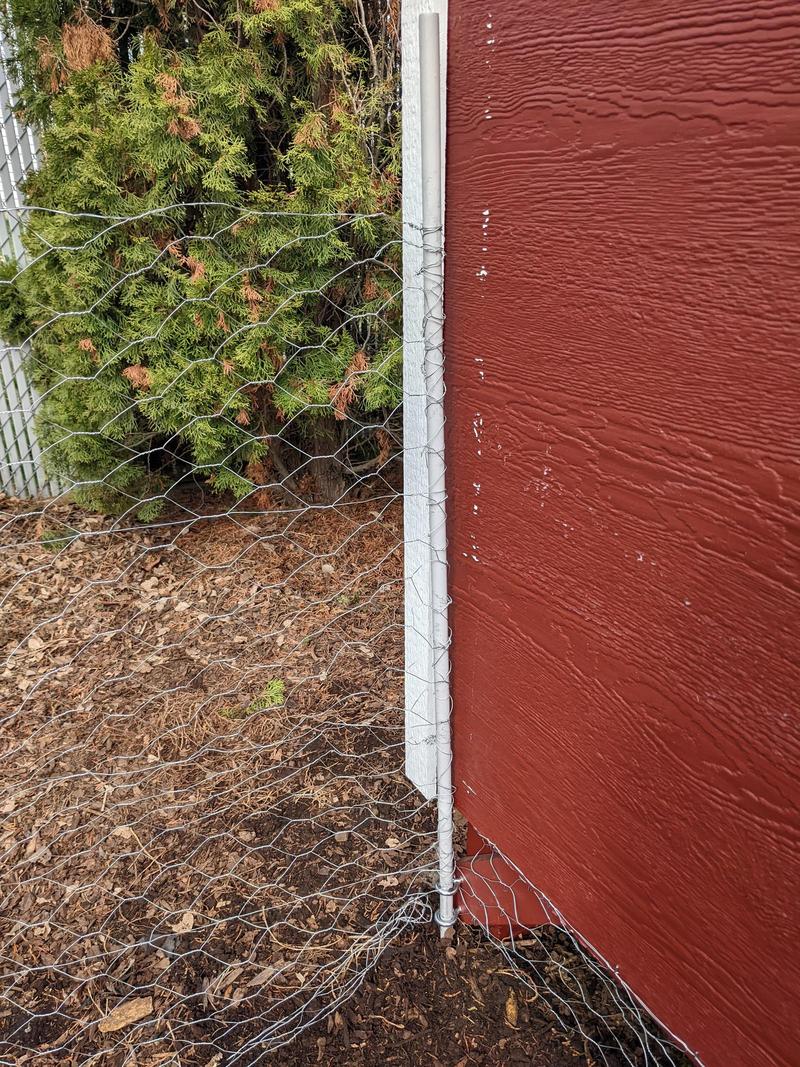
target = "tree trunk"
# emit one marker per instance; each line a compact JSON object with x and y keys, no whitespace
{"x":330,"y":476}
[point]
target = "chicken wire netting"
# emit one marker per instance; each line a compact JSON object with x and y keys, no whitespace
{"x":557,"y":973}
{"x":208,"y":838}
{"x":207,"y":835}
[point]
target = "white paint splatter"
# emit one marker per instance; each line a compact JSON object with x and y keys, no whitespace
{"x":473,"y":537}
{"x":483,"y":272}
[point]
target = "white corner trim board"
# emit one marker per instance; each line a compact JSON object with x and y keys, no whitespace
{"x":420,"y":728}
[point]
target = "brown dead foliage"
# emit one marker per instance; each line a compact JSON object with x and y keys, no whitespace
{"x":171,"y":91}
{"x":51,"y":64}
{"x":343,"y":393}
{"x":253,"y":298}
{"x":184,"y":127}
{"x":370,"y":287}
{"x":311,"y":131}
{"x":85,"y":43}
{"x":139,"y":376}
{"x":181,"y":124}
{"x":164,"y":834}
{"x":260,"y":473}
{"x":393,"y":21}
{"x":386,"y":445}
{"x":197,"y":268}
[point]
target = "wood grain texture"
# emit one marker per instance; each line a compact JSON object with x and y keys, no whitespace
{"x":622,"y":343}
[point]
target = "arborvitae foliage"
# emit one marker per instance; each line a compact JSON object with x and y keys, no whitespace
{"x":265,"y":302}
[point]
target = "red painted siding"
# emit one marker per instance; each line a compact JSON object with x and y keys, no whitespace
{"x":623,"y":255}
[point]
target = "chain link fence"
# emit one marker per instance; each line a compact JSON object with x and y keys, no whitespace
{"x":21,"y":468}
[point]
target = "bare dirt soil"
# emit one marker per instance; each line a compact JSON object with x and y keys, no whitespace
{"x":209,"y":851}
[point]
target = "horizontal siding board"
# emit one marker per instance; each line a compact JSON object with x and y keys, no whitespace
{"x":621,"y":342}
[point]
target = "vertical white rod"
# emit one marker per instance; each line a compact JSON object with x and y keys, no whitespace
{"x":433,"y":291}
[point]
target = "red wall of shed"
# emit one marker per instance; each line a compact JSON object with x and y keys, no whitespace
{"x":623,"y":255}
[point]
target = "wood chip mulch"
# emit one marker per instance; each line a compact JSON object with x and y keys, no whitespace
{"x":209,"y":853}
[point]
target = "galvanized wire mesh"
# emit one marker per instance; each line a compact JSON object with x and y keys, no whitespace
{"x":558,"y":972}
{"x":208,"y":838}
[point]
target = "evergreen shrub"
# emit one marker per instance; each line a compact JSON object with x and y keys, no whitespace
{"x":212,"y":280}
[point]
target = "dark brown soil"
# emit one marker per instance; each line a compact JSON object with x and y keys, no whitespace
{"x":445,"y":1004}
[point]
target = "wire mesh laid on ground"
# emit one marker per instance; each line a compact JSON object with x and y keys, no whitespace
{"x":207,"y":834}
{"x":204,"y":805}
{"x":567,"y":981}
{"x":208,"y":842}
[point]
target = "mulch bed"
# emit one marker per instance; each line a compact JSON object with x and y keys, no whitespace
{"x":451,"y":1004}
{"x":210,"y":852}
